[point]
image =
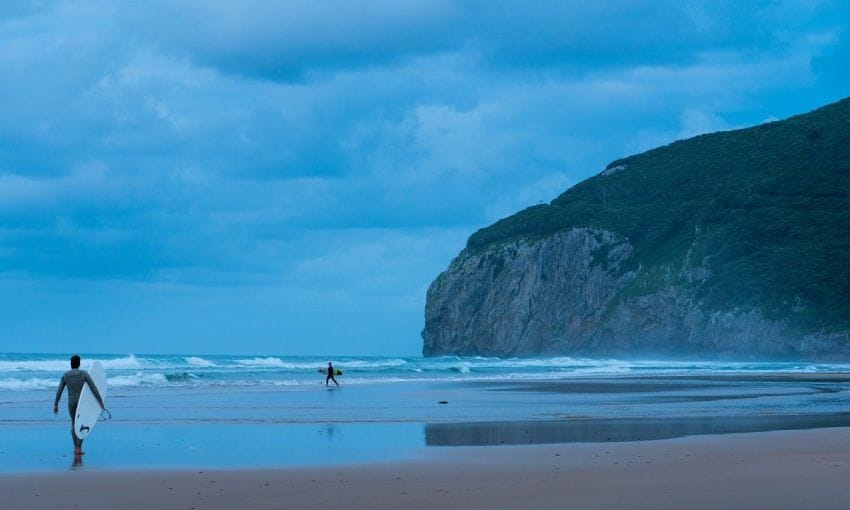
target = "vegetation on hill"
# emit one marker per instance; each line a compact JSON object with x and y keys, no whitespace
{"x":766,"y":209}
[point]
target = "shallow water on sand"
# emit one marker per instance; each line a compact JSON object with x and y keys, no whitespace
{"x":247,"y":427}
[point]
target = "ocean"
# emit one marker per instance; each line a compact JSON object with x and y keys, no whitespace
{"x":230,"y":412}
{"x":29,"y":372}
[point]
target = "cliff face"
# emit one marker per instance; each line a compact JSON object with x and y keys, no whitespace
{"x":523,"y":299}
{"x":563,"y":295}
{"x":732,"y":245}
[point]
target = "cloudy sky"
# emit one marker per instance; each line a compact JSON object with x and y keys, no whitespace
{"x":261,"y":177}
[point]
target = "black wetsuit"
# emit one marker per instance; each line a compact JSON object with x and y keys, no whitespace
{"x":74,"y":380}
{"x":330,"y":377}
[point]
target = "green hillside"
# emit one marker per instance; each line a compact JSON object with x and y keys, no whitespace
{"x":767,"y":208}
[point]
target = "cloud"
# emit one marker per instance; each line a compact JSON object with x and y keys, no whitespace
{"x":337,"y":152}
{"x":297,"y":41}
{"x":696,"y":122}
{"x":292,"y":40}
{"x":88,"y":181}
{"x":540,"y":191}
{"x":201,"y":162}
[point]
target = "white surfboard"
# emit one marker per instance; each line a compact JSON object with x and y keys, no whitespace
{"x":88,"y":410}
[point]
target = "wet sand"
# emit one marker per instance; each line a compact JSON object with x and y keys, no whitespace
{"x":613,"y":430}
{"x":261,"y":428}
{"x":776,"y":470}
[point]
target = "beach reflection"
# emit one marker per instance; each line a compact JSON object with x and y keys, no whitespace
{"x":617,"y":430}
{"x":330,"y":430}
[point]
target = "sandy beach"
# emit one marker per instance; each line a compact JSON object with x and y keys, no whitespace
{"x":781,"y":469}
{"x":718,"y":439}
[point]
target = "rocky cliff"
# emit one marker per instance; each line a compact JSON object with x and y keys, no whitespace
{"x":731,"y":245}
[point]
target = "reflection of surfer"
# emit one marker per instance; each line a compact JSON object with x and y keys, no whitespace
{"x":330,"y":376}
{"x":74,"y":380}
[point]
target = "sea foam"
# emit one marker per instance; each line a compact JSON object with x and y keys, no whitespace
{"x":33,"y":383}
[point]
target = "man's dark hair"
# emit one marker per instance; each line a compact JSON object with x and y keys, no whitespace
{"x":75,"y":361}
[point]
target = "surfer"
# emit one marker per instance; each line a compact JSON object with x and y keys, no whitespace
{"x":331,"y":373}
{"x":74,"y":380}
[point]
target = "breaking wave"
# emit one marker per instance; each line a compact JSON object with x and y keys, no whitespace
{"x":40,"y":372}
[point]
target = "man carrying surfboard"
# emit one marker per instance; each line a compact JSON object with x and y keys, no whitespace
{"x":331,"y":372}
{"x":74,"y":379}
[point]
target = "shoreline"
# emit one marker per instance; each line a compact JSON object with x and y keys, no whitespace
{"x":775,"y":469}
{"x":237,"y":428}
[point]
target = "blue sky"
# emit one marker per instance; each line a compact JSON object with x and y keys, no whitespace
{"x":288,"y":177}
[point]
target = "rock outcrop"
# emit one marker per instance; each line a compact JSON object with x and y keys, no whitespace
{"x":563,"y":295}
{"x":598,"y":272}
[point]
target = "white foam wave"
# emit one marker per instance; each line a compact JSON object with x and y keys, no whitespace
{"x":33,"y":383}
{"x":58,"y":365}
{"x":292,"y":382}
{"x":63,"y":364}
{"x":138,"y":379}
{"x":128,"y":363}
{"x":312,"y":365}
{"x":196,"y":361}
{"x":260,"y":362}
{"x":388,"y":363}
{"x":272,"y":362}
{"x":519,"y":363}
{"x":39,"y":372}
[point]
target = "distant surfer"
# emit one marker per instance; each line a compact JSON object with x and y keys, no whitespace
{"x":330,"y":376}
{"x":74,"y":379}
